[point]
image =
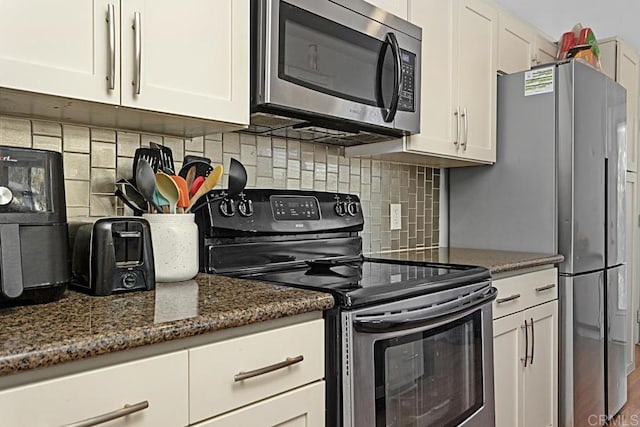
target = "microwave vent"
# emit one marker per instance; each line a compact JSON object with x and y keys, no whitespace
{"x":290,"y":128}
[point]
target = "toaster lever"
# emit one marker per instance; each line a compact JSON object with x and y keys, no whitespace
{"x":128,"y":234}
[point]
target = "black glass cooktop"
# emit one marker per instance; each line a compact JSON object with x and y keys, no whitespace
{"x":365,"y":281}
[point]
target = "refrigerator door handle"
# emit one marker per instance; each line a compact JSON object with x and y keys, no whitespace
{"x":526,"y":343}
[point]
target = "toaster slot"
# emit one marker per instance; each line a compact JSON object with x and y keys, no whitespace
{"x":127,"y":243}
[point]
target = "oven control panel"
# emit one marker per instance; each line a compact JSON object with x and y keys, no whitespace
{"x":407,"y":90}
{"x":295,"y":208}
{"x":279,"y":211}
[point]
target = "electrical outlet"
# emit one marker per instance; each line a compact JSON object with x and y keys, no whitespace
{"x":396,"y":213}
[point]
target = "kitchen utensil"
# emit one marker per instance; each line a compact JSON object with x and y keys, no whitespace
{"x":237,"y":177}
{"x":202,"y":168}
{"x":166,"y":157}
{"x":168,"y":188}
{"x":190,"y":175}
{"x":183,"y":201}
{"x":150,"y":155}
{"x":146,"y":182}
{"x":191,"y":158}
{"x":160,"y":201}
{"x":197,"y":183}
{"x":131,"y":197}
{"x":208,"y":185}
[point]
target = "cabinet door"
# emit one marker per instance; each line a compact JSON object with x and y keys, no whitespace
{"x":439,"y":126}
{"x":59,"y":48}
{"x":632,"y":266}
{"x":303,"y":407}
{"x":515,"y":44}
{"x":508,"y":353}
{"x":540,"y":395}
{"x":161,"y":381}
{"x":476,"y":43}
{"x":628,"y":75}
{"x":193,"y":58}
{"x":397,"y":7}
{"x":544,"y":50}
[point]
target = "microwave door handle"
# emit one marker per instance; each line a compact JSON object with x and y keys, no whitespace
{"x":390,"y":114}
{"x":379,"y":323}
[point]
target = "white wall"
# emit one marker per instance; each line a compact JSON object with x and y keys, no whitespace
{"x":606,"y":18}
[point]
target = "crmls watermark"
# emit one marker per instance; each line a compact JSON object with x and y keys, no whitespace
{"x":620,"y":420}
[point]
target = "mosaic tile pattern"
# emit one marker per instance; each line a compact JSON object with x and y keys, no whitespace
{"x":94,"y":158}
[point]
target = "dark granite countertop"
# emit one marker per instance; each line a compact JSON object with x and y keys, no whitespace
{"x":80,"y":326}
{"x":495,"y":261}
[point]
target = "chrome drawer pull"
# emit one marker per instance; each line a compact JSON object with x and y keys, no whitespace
{"x":507,"y":299}
{"x":240,"y":376}
{"x":118,"y":413}
{"x":545,"y":288}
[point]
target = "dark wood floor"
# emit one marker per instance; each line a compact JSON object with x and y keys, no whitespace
{"x":630,"y":413}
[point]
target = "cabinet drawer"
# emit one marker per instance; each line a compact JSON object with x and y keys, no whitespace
{"x":215,"y":385}
{"x":517,"y":293}
{"x":303,"y":407}
{"x":161,"y":381}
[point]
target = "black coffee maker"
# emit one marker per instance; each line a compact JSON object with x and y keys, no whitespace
{"x":34,"y":262}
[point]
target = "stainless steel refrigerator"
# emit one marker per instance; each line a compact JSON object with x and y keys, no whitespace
{"x":558,"y":186}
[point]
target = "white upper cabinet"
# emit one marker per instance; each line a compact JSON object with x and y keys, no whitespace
{"x":516,"y":44}
{"x":622,"y":64}
{"x":477,"y":53}
{"x":189,"y":59}
{"x":193,"y":57}
{"x":397,"y":7}
{"x":61,"y":49}
{"x":459,"y":89}
{"x":545,"y":50}
{"x":521,"y":46}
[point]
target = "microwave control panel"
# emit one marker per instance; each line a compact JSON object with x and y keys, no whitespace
{"x":406,"y":102}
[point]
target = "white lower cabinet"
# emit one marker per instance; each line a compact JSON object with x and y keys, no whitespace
{"x":160,"y":382}
{"x":234,"y":373}
{"x":303,"y":407}
{"x":526,"y":359}
{"x":273,"y":377}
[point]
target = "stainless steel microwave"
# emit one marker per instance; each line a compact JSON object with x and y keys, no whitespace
{"x":337,"y":71}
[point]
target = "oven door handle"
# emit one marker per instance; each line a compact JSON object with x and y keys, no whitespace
{"x":384,"y":322}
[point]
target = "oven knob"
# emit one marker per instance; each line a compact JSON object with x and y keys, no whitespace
{"x":340,"y":208}
{"x":245,"y":207}
{"x":227,"y":207}
{"x":353,"y":208}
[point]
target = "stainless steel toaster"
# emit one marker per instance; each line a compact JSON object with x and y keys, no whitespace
{"x":112,"y":254}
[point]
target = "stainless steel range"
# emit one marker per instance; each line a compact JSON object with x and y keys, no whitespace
{"x":408,"y":343}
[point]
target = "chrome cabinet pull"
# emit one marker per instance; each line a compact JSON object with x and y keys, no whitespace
{"x":240,"y":376}
{"x":526,"y":343}
{"x":533,"y":341}
{"x":138,"y":51}
{"x":545,"y":288}
{"x":111,"y":20}
{"x":463,"y":142}
{"x":456,"y":139}
{"x":118,"y":413}
{"x":507,"y":299}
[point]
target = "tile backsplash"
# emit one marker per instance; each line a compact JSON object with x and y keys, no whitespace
{"x":95,"y":158}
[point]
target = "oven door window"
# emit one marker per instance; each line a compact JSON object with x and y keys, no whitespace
{"x":432,"y":377}
{"x":327,"y":57}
